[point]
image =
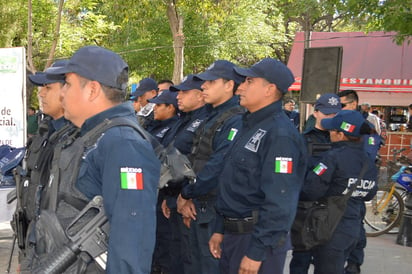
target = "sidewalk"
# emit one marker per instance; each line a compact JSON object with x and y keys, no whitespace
{"x":383,"y":255}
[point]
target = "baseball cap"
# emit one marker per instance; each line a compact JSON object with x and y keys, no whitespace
{"x":220,"y":69}
{"x":272,"y":70}
{"x":44,"y":78}
{"x":346,"y":121}
{"x":166,"y":97}
{"x":328,"y":103}
{"x":144,"y":86}
{"x":188,"y":83}
{"x":98,"y":64}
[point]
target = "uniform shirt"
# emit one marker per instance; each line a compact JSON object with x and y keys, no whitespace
{"x":263,"y":172}
{"x":131,"y":212}
{"x":187,"y":127}
{"x":207,"y":178}
{"x":293,"y":117}
{"x":314,"y":138}
{"x":332,"y":176}
{"x":164,"y":130}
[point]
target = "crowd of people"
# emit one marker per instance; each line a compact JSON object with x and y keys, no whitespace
{"x":242,"y":138}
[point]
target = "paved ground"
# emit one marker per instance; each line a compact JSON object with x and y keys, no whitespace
{"x":383,"y":255}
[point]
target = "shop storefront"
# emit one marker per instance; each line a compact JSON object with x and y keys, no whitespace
{"x":377,"y":68}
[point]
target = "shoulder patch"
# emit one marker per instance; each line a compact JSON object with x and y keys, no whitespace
{"x":131,"y":178}
{"x":254,"y":141}
{"x":283,"y":165}
{"x":320,"y":169}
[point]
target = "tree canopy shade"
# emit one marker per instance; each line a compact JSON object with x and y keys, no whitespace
{"x":241,"y":31}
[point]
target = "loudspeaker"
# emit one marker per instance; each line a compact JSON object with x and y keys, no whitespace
{"x":321,"y":72}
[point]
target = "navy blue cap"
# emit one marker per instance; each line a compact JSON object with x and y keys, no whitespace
{"x":44,"y":78}
{"x":145,"y":85}
{"x":272,"y":70}
{"x":188,"y":83}
{"x":220,"y":69}
{"x":328,"y":103}
{"x":98,"y":64}
{"x":166,"y":97}
{"x":347,"y":121}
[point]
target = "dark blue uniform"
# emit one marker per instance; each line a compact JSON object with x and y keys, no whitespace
{"x":317,"y":141}
{"x":293,"y":117}
{"x":164,"y":131}
{"x":131,"y":212}
{"x":203,"y":192}
{"x":263,"y":173}
{"x":339,"y":174}
{"x":179,"y":245}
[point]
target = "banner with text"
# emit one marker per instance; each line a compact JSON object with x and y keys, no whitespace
{"x":13,"y":97}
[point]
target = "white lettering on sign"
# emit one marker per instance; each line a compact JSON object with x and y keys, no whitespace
{"x":373,"y":81}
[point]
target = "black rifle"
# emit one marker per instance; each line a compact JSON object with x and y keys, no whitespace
{"x":87,"y":233}
{"x":19,"y":221}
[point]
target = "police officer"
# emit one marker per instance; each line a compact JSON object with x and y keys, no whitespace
{"x":146,"y":89}
{"x":194,"y":112}
{"x":211,"y":142}
{"x":165,"y":113}
{"x":120,"y":166}
{"x":333,"y":175}
{"x":52,"y":130}
{"x":317,"y":141}
{"x":371,"y":143}
{"x":261,"y":177}
{"x":163,"y":129}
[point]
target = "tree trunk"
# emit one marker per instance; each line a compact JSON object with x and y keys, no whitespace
{"x":30,"y":65}
{"x":176,"y":26}
{"x":56,"y":35}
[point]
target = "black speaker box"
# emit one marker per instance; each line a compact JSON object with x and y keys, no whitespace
{"x":321,"y":72}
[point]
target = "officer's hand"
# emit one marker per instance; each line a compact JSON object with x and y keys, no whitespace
{"x":180,"y":203}
{"x":214,"y":245}
{"x":187,"y":221}
{"x":249,"y":266}
{"x":165,"y":209}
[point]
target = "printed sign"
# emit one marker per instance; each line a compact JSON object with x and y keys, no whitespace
{"x":13,"y":97}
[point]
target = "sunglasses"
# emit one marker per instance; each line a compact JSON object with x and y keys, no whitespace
{"x":345,"y":104}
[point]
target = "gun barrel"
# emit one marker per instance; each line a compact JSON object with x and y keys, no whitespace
{"x":58,"y":261}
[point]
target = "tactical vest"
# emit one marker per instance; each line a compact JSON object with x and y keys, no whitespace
{"x":38,"y":162}
{"x":62,"y":195}
{"x":203,"y":140}
{"x":62,"y":201}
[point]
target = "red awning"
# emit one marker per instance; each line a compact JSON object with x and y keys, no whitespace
{"x":371,"y":62}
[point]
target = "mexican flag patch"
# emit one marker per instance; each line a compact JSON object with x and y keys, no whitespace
{"x":320,"y":169}
{"x":131,"y":178}
{"x":283,"y":165}
{"x":232,"y":134}
{"x":347,"y":127}
{"x":371,"y":141}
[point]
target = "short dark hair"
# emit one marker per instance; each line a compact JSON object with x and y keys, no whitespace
{"x":350,"y":94}
{"x":165,"y":81}
{"x":410,"y":106}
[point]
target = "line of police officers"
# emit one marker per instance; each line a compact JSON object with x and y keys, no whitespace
{"x":249,"y":159}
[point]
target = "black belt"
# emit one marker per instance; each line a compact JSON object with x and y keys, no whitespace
{"x":240,"y":225}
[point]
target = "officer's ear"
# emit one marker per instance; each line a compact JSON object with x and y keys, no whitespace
{"x":95,"y":90}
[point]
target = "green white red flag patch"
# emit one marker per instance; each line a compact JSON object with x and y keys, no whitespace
{"x":131,"y":178}
{"x":347,"y":127}
{"x":283,"y":165}
{"x":320,"y":169}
